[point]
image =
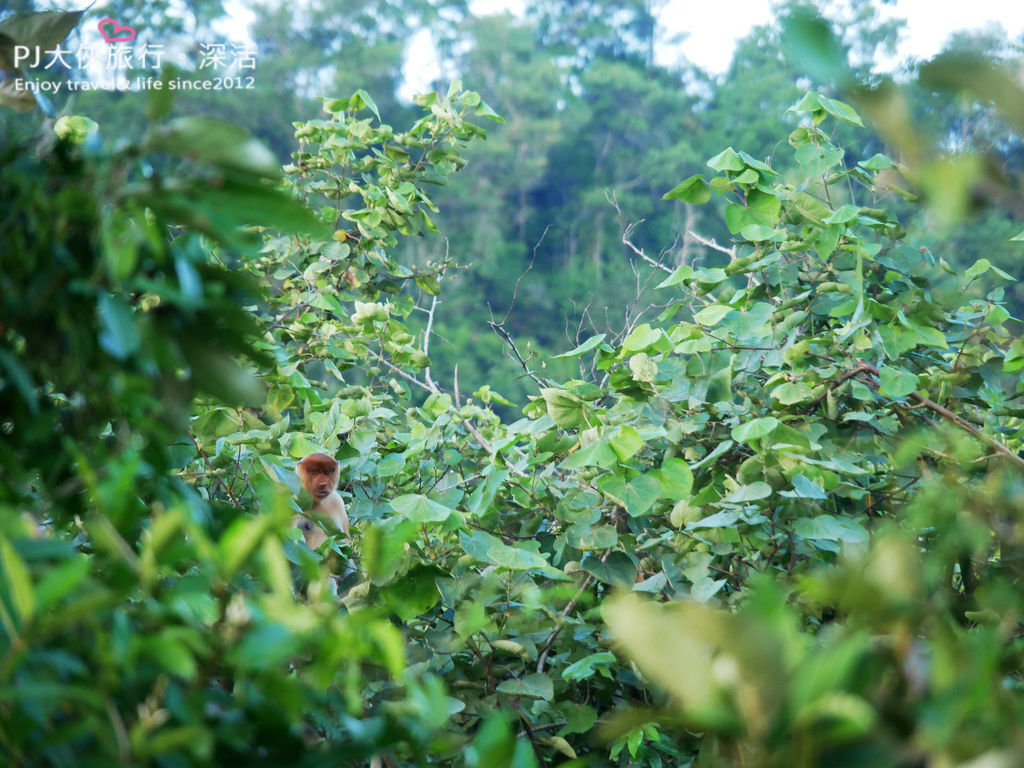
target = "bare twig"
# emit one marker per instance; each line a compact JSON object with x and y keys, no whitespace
{"x":948,"y":415}
{"x":543,"y":657}
{"x":426,"y":341}
{"x":515,"y":291}
{"x":431,"y":387}
{"x":627,"y":233}
{"x":731,"y":252}
{"x":504,"y":335}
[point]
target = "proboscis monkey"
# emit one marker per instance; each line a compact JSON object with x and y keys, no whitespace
{"x":319,"y":474}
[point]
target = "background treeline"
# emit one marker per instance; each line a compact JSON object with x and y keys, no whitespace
{"x":595,"y":132}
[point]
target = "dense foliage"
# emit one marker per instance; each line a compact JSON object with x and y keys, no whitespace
{"x":598,"y":100}
{"x":773,"y":522}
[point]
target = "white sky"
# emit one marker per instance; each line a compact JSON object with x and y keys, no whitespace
{"x":713,"y":26}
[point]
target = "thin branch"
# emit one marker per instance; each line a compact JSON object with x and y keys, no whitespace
{"x":431,"y":387}
{"x":504,"y":335}
{"x":953,"y":418}
{"x":627,"y":232}
{"x":731,"y":252}
{"x":426,"y":340}
{"x":542,"y":658}
{"x":515,"y":291}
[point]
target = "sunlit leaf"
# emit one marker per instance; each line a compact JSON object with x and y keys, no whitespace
{"x":417,"y":508}
{"x":693,"y":190}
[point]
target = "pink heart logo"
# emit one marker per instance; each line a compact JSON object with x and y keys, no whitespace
{"x":117,"y":33}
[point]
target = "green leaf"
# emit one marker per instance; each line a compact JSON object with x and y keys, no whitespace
{"x":514,"y":558}
{"x":239,"y":542}
{"x":755,"y":429}
{"x":483,"y":110}
{"x":704,"y":589}
{"x":535,"y":686}
{"x":416,"y":592}
{"x":712,"y":315}
{"x":792,"y":392}
{"x":681,"y":273}
{"x":119,"y":338}
{"x":877,"y":162}
{"x":749,"y":176}
{"x":840,"y":110}
{"x":818,"y":159}
{"x":757,"y":165}
{"x":757,"y":233}
{"x":214,"y":141}
{"x":18,"y":580}
{"x":617,"y":569}
{"x":693,"y":190}
{"x":429,"y":284}
{"x":752,"y":322}
{"x":710,"y":276}
{"x":587,"y":666}
{"x":724,"y":519}
{"x":267,"y":646}
{"x":676,"y":479}
{"x":642,"y":338}
{"x":598,"y":454}
{"x":171,"y":653}
{"x":417,"y":508}
{"x":738,"y":217}
{"x":673,"y":646}
{"x":980,"y":267}
{"x":808,"y":103}
{"x":478,"y":544}
{"x":843,"y":214}
{"x":565,"y":409}
{"x":160,"y":100}
{"x":805,"y":488}
{"x":642,"y":367}
{"x":753,"y":492}
{"x":483,"y":495}
{"x":583,"y":348}
{"x":727,"y":160}
{"x":997,"y":315}
{"x":44,"y":30}
{"x":896,"y":382}
{"x":831,"y":528}
{"x":583,"y":537}
{"x":626,"y":443}
{"x":220,"y":211}
{"x":637,"y":496}
{"x":721,"y":448}
{"x":360,"y":99}
{"x":470,"y":618}
{"x":809,"y":41}
{"x":12,"y":97}
{"x":21,"y":379}
{"x":59,"y":581}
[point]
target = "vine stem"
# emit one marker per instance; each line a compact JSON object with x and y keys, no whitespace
{"x":953,"y":418}
{"x":543,"y":657}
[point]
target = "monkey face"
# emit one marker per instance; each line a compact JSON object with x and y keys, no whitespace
{"x":321,"y":484}
{"x":319,"y":474}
